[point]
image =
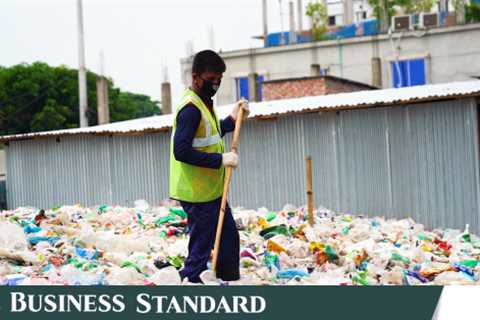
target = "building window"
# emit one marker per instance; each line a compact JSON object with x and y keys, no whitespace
{"x":242,"y":87}
{"x":408,"y":73}
{"x":332,"y":20}
{"x":360,"y":16}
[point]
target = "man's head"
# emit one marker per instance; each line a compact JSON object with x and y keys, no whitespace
{"x":207,"y":71}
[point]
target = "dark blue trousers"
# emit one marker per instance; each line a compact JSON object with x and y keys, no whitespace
{"x":202,"y":225}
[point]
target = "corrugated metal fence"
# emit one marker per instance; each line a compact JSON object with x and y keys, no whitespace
{"x":417,"y":160}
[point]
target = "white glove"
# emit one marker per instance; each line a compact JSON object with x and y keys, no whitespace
{"x":229,"y":159}
{"x":240,"y":104}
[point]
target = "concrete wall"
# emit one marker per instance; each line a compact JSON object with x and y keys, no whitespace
{"x":451,"y":54}
{"x":414,"y":160}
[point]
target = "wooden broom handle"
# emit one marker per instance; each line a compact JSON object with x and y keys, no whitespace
{"x":226,"y":187}
{"x":308,"y":161}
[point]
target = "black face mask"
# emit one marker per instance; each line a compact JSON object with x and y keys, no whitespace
{"x":209,"y":89}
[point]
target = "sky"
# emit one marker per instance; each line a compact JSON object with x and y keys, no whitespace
{"x":138,"y":38}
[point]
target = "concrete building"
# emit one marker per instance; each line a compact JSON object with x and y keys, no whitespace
{"x":408,"y":152}
{"x":309,"y":86}
{"x":360,"y":10}
{"x":402,"y":59}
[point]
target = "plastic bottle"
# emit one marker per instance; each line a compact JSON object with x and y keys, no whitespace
{"x":87,"y":254}
{"x":34,"y":240}
{"x":248,"y":253}
{"x":166,"y":276}
{"x":331,"y":254}
{"x":316,"y":246}
{"x":398,"y":257}
{"x":291,"y":273}
{"x":361,"y":278}
{"x":165,"y":219}
{"x":175,"y":261}
{"x":179,"y":212}
{"x":102,"y":209}
{"x":14,"y":279}
{"x":141,"y":205}
{"x":417,"y":276}
{"x":272,"y":246}
{"x":271,"y":261}
{"x":130,"y":264}
{"x":270,"y":216}
{"x":31,"y":229}
{"x":273,"y":231}
{"x":470,"y":263}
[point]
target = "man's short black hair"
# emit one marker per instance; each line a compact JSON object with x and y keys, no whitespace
{"x":208,"y":61}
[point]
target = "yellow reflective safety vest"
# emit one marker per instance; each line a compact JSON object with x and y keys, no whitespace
{"x":193,"y":183}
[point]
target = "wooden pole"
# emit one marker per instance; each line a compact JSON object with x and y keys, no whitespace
{"x":226,"y":187}
{"x":309,"y":190}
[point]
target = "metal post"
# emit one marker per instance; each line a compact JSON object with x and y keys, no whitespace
{"x":82,"y":72}
{"x":265,"y":22}
{"x":299,"y":16}
{"x":292,"y":35}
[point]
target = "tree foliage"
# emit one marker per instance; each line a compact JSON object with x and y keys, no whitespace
{"x":318,"y":13}
{"x":472,"y":13}
{"x":38,"y":97}
{"x":409,"y":6}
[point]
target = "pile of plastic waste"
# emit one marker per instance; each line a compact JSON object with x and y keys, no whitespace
{"x":113,"y":245}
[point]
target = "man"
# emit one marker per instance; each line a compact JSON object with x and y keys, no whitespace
{"x":197,"y":169}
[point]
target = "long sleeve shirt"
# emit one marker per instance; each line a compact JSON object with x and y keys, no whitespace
{"x":188,"y":120}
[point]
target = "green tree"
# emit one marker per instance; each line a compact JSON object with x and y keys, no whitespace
{"x":318,"y":13}
{"x":472,"y":13}
{"x":37,"y":97}
{"x":409,"y":6}
{"x":130,"y":105}
{"x":52,"y":117}
{"x":418,"y":6}
{"x":378,"y":6}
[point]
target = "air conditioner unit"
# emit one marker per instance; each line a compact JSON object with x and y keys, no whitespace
{"x":402,"y":23}
{"x":429,"y":20}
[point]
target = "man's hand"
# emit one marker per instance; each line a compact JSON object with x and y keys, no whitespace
{"x":240,"y":104}
{"x":229,"y":159}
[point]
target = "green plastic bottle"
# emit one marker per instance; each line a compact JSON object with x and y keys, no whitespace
{"x":179,"y":212}
{"x":270,"y":216}
{"x":267,"y":233}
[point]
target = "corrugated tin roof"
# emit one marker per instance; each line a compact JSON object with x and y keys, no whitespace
{"x":266,"y":109}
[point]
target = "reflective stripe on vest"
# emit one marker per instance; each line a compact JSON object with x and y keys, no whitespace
{"x":205,"y":142}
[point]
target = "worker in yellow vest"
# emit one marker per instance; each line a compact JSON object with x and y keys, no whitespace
{"x":197,"y":168}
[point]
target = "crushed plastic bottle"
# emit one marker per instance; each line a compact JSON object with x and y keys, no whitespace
{"x":291,"y":273}
{"x":271,"y":261}
{"x":87,"y":254}
{"x":267,"y":233}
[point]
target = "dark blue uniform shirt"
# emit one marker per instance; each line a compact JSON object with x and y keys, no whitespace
{"x":188,"y":120}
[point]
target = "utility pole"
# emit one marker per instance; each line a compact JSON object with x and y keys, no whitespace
{"x":283,"y":41}
{"x":265,"y":23}
{"x":82,"y":73}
